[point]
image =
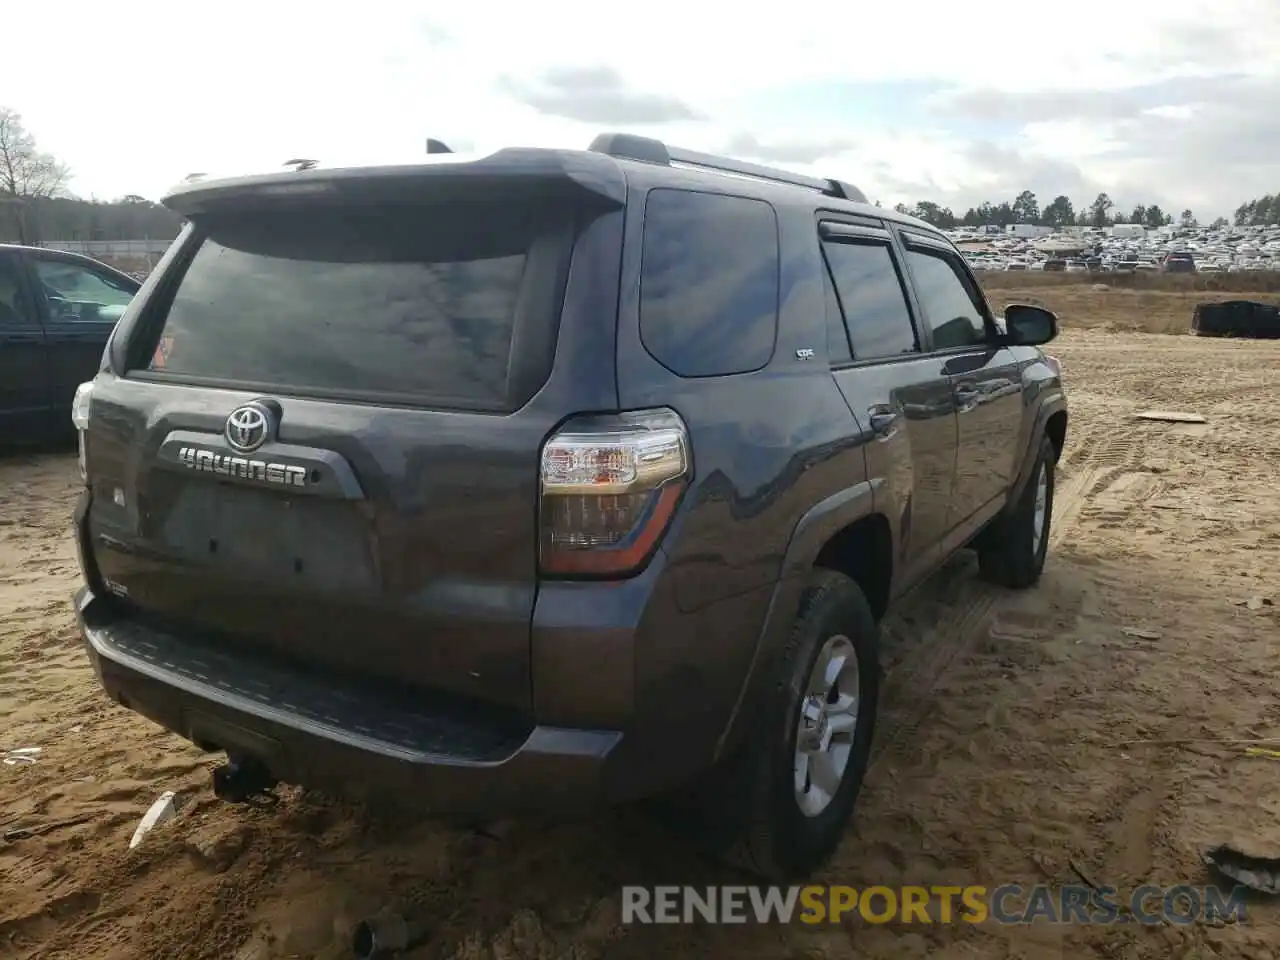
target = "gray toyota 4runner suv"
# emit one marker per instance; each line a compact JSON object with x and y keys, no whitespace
{"x":548,"y":478}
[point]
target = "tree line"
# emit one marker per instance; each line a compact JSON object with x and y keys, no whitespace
{"x":34,"y":205}
{"x":1264,"y":210}
{"x":1061,"y":212}
{"x":1025,"y":208}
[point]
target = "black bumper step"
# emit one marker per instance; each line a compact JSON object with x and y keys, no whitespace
{"x":366,"y":718}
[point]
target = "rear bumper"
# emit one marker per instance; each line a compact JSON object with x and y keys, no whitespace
{"x":306,"y":732}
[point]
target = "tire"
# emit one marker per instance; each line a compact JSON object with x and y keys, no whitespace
{"x":754,"y":815}
{"x":1009,"y":552}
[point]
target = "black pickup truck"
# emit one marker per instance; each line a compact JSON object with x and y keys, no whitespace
{"x":56,"y":312}
{"x":550,"y":478}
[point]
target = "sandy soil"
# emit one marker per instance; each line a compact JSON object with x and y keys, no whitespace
{"x":1080,"y":307}
{"x":1021,"y":733}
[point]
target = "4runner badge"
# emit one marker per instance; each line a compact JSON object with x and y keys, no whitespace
{"x":242,"y":468}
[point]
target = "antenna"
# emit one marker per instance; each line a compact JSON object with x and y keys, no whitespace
{"x":301,"y":164}
{"x":437,"y":146}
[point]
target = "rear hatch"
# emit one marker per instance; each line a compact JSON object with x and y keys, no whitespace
{"x":319,"y":435}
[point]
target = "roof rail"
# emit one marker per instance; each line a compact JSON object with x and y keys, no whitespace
{"x":630,"y":146}
{"x":437,"y":146}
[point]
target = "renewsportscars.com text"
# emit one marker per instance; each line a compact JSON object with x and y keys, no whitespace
{"x":1005,"y":904}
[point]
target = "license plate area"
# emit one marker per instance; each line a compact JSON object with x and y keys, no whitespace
{"x":242,"y":531}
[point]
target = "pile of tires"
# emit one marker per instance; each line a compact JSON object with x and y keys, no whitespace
{"x":1237,"y":318}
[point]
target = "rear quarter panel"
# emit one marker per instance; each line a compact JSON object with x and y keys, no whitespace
{"x":767,"y":446}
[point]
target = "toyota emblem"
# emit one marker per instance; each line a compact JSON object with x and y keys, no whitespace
{"x":248,"y":427}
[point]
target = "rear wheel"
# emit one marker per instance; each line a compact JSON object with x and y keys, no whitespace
{"x":779,"y":809}
{"x":1011,"y":552}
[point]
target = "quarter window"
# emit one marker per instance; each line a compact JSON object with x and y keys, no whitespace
{"x":709,"y":282}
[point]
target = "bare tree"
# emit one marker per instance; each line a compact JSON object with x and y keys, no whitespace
{"x":26,"y":174}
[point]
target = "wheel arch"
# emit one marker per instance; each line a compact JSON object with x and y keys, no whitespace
{"x":863,"y":552}
{"x":1055,"y":428}
{"x":1050,"y":421}
{"x":829,"y":535}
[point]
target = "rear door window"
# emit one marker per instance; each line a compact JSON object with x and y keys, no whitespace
{"x":872,"y":298}
{"x":838,"y":350}
{"x":709,"y":282}
{"x":415,"y":301}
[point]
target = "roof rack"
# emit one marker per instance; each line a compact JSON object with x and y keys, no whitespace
{"x":630,"y":146}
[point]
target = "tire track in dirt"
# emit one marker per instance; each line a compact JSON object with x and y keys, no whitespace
{"x":908,"y":694}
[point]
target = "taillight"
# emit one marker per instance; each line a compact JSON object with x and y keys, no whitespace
{"x":610,"y":485}
{"x":81,"y":404}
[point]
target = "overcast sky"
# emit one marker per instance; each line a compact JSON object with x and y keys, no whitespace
{"x":1154,"y":101}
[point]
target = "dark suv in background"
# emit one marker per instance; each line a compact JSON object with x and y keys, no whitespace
{"x":551,"y":477}
{"x":56,"y":312}
{"x":1181,"y":262}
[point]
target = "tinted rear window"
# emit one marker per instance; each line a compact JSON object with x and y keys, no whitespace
{"x":413,"y":301}
{"x":709,"y":282}
{"x":872,"y":297}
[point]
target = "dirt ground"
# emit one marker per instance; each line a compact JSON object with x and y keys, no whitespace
{"x":1024,"y":736}
{"x":1159,"y":305}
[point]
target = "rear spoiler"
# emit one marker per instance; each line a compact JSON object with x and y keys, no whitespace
{"x":510,"y":173}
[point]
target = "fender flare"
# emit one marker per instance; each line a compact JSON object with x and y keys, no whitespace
{"x":1052,"y":404}
{"x":815,"y":527}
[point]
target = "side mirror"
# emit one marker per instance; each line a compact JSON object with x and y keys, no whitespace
{"x":1028,"y":326}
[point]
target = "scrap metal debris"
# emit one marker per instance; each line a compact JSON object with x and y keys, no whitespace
{"x":1257,"y":873}
{"x":385,"y":935}
{"x":163,"y":809}
{"x":1170,"y":416}
{"x":40,"y":829}
{"x":1139,"y":634}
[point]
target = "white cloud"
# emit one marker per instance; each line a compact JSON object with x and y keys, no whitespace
{"x":1178,"y":111}
{"x":136,"y":94}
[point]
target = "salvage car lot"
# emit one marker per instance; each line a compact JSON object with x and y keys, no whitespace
{"x":1020,"y":734}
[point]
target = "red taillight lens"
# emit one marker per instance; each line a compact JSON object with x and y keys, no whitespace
{"x":610,"y":485}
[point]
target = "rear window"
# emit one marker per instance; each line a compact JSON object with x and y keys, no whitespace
{"x":709,"y":282}
{"x":415,"y":301}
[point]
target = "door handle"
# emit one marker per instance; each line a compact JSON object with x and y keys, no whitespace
{"x":882,"y":420}
{"x":967,"y":398}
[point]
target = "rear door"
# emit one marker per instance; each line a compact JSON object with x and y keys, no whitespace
{"x":899,"y":392}
{"x":79,"y":304}
{"x":24,"y":372}
{"x":986,"y":378}
{"x":326,"y":448}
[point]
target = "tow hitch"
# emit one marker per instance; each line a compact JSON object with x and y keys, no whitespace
{"x":243,"y":780}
